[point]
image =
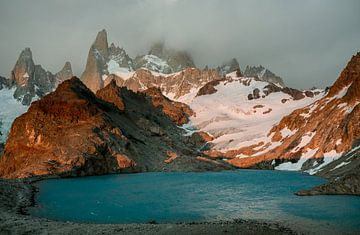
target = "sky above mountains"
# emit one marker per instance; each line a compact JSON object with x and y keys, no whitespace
{"x":306,"y":42}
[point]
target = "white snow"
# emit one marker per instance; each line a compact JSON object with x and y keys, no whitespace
{"x":10,"y":108}
{"x":155,"y":63}
{"x":229,"y":116}
{"x":305,"y":139}
{"x":328,"y":158}
{"x":26,"y":75}
{"x":289,"y":166}
{"x":114,"y":68}
{"x":287,"y":132}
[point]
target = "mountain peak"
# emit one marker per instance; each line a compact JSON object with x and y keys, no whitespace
{"x":263,"y":74}
{"x":24,"y":68}
{"x":101,"y":43}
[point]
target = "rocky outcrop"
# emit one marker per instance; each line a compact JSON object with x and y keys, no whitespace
{"x":343,"y":175}
{"x":71,"y":132}
{"x":5,"y":83}
{"x":178,"y":112}
{"x":323,"y":130}
{"x":64,"y":74}
{"x":209,"y":88}
{"x":31,"y":80}
{"x":164,"y":60}
{"x":228,"y":67}
{"x":263,"y":74}
{"x":96,"y":63}
{"x":120,"y":57}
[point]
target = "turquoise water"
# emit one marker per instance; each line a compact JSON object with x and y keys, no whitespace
{"x":184,"y":197}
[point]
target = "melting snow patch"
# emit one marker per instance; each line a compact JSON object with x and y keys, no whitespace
{"x":287,"y":132}
{"x":305,"y":139}
{"x":342,"y":92}
{"x":340,"y":165}
{"x":328,"y":158}
{"x":114,"y":68}
{"x":289,"y":166}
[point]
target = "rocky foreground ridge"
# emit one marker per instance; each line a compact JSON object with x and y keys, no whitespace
{"x":72,"y":132}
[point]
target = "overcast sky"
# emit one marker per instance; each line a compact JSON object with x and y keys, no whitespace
{"x":307,"y":42}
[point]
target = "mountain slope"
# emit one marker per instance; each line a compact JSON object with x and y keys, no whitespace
{"x":314,"y":136}
{"x":28,"y":82}
{"x":71,"y":132}
{"x":240,"y":111}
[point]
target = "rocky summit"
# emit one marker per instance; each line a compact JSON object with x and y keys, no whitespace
{"x":72,"y":132}
{"x":263,"y":74}
{"x":31,"y":80}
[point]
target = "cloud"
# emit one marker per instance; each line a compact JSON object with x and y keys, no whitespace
{"x":306,"y":42}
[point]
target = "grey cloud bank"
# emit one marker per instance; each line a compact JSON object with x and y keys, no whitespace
{"x":305,"y":42}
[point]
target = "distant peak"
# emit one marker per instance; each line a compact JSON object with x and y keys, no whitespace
{"x":26,"y":52}
{"x":67,"y":64}
{"x":101,"y":42}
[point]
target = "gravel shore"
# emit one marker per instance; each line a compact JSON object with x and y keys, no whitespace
{"x":17,"y":195}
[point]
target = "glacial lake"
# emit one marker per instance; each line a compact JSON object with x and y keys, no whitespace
{"x":206,"y":196}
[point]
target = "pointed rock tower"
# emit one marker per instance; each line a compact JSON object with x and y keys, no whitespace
{"x":103,"y":61}
{"x":96,"y":62}
{"x":31,"y":80}
{"x":64,"y":74}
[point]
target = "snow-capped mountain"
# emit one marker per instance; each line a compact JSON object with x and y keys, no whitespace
{"x":310,"y":137}
{"x":240,"y":111}
{"x":28,"y":82}
{"x":104,"y":61}
{"x":263,"y":74}
{"x":164,"y":60}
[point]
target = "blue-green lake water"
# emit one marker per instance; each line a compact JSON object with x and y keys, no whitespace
{"x":206,"y":196}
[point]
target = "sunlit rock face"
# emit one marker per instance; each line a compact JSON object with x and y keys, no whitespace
{"x":72,"y":132}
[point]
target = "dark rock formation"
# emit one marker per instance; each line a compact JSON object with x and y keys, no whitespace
{"x":71,"y":132}
{"x":178,"y":112}
{"x":209,"y":88}
{"x":31,"y":80}
{"x":263,"y":74}
{"x":342,"y":180}
{"x":228,"y":67}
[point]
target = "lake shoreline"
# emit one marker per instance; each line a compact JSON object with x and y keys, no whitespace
{"x":18,"y":195}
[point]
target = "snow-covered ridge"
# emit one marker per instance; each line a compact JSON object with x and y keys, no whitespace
{"x":10,"y":108}
{"x":234,"y":120}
